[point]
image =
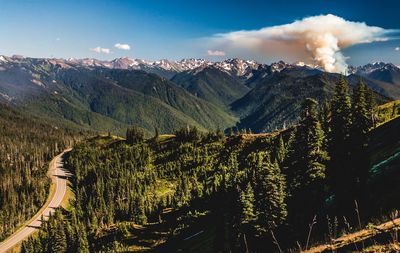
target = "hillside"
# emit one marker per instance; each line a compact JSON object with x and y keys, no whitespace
{"x":275,"y":101}
{"x":105,"y":99}
{"x":26,"y":145}
{"x":212,"y":84}
{"x":111,"y":95}
{"x":206,"y":192}
{"x":382,"y":196}
{"x":382,"y":76}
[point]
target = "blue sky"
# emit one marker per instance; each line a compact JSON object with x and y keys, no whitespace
{"x":173,"y":29}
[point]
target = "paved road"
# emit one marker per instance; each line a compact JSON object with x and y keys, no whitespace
{"x":58,"y":176}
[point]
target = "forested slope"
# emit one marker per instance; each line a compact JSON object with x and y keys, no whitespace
{"x":206,"y":192}
{"x":26,"y":145}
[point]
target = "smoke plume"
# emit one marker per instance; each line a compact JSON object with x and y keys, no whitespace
{"x":316,"y":40}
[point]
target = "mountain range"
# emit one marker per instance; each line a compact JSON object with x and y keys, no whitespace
{"x":110,"y":95}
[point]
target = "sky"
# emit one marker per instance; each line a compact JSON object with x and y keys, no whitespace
{"x":209,"y":29}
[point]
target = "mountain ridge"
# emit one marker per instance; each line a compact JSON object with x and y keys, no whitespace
{"x":110,"y":95}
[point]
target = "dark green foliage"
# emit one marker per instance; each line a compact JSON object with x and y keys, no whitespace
{"x":362,"y":123}
{"x":281,"y":150}
{"x":116,"y":183}
{"x":237,"y":181}
{"x":26,"y":145}
{"x":307,"y":158}
{"x":339,"y":139}
{"x":134,"y":135}
{"x":59,"y":234}
{"x":270,"y":194}
{"x":97,"y":98}
{"x":247,"y":215}
{"x":349,"y":124}
{"x":106,"y":99}
{"x":325,"y":120}
{"x":361,"y":110}
{"x":188,"y":134}
{"x":385,"y":113}
{"x":305,"y":167}
{"x":340,"y":116}
{"x":270,"y":106}
{"x":212,"y":84}
{"x":275,"y":101}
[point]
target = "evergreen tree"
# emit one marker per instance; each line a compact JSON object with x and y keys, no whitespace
{"x":134,"y":135}
{"x":270,"y":194}
{"x":280,"y":150}
{"x":247,"y":215}
{"x":306,"y":163}
{"x":156,"y":133}
{"x":371,"y":107}
{"x":361,"y":118}
{"x":339,"y":141}
{"x":26,"y":246}
{"x":361,"y":111}
{"x":308,"y":157}
{"x":324,"y":119}
{"x":57,"y":240}
{"x":246,"y":218}
{"x":83,"y":244}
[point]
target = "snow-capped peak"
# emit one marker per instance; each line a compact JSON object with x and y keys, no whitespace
{"x":279,"y":66}
{"x":2,"y":59}
{"x":371,"y":67}
{"x":189,"y":64}
{"x":238,"y":67}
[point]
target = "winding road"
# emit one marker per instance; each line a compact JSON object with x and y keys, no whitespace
{"x":58,"y":177}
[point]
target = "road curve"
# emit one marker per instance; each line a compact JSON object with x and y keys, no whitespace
{"x":58,"y":177}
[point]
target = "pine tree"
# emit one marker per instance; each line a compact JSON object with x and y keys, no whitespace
{"x":58,"y":239}
{"x":306,"y":163}
{"x":371,"y":106}
{"x":134,"y":135}
{"x":156,"y":133}
{"x":71,"y":237}
{"x":280,"y":150}
{"x":247,"y":215}
{"x":361,"y":118}
{"x":246,"y":218}
{"x":324,"y":119}
{"x":270,"y":194}
{"x":339,"y":141}
{"x":341,"y":117}
{"x":26,"y":246}
{"x":360,"y":111}
{"x":308,"y":157}
{"x":82,"y":244}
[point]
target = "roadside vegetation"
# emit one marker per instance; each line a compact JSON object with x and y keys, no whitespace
{"x":26,"y":146}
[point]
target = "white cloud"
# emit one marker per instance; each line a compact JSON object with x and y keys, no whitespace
{"x":316,"y":39}
{"x":397,"y":49}
{"x":215,"y":53}
{"x":101,"y":50}
{"x":58,"y":39}
{"x":122,"y":46}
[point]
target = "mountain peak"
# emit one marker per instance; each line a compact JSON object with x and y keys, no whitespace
{"x":3,"y":58}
